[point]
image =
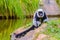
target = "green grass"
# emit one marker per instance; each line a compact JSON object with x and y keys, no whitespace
{"x":18,"y":7}
{"x":53,"y":29}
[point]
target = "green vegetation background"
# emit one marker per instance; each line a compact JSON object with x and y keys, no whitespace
{"x":18,"y":7}
{"x":21,"y":8}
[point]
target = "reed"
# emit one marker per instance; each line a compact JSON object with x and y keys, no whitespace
{"x":18,"y":7}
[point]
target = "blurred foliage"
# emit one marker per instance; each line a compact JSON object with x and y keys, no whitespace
{"x":40,"y":2}
{"x":18,"y":7}
{"x":58,"y":2}
{"x":53,"y":29}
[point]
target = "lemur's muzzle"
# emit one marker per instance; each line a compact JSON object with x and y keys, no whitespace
{"x":40,"y":13}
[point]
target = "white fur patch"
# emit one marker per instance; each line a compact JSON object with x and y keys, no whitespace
{"x":39,"y":15}
{"x":36,"y":23}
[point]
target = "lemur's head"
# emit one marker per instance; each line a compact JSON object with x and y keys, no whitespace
{"x":40,"y":13}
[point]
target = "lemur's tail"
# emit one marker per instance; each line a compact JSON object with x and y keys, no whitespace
{"x":24,"y":32}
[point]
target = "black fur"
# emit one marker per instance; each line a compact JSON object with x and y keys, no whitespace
{"x":33,"y":27}
{"x":24,"y":32}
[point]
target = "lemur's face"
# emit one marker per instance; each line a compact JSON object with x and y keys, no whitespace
{"x":40,"y":13}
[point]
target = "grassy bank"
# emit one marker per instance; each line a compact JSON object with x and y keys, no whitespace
{"x":53,"y":29}
{"x":17,"y":7}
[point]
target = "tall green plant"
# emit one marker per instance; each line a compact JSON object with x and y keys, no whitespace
{"x":18,"y":7}
{"x":29,"y":6}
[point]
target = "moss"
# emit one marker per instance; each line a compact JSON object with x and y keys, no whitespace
{"x":52,"y":29}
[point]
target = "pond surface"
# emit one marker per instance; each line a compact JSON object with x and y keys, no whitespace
{"x":8,"y":26}
{"x":53,"y":18}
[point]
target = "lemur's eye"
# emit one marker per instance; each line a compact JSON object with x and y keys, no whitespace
{"x":40,"y":13}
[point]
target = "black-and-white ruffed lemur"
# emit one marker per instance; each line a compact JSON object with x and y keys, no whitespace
{"x":38,"y":19}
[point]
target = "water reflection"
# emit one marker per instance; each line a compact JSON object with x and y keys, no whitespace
{"x":8,"y":26}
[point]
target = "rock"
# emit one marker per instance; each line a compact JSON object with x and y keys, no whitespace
{"x":42,"y":37}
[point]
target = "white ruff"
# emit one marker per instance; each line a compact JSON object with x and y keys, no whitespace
{"x":39,"y":15}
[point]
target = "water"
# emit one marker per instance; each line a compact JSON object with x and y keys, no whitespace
{"x":8,"y":26}
{"x":53,"y":18}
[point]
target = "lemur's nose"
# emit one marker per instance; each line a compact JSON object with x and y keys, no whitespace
{"x":41,"y":14}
